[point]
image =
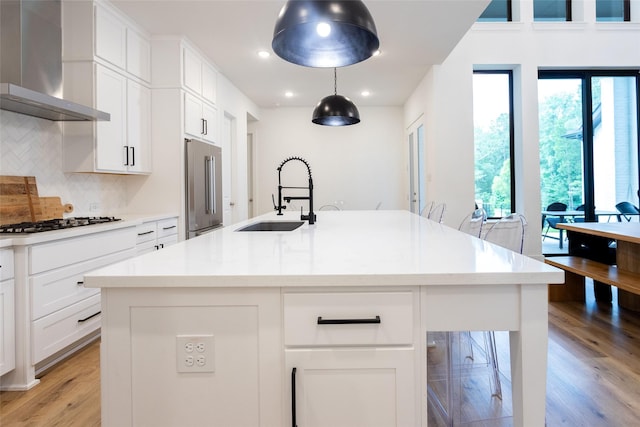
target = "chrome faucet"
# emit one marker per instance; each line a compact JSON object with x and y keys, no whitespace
{"x":311,"y":217}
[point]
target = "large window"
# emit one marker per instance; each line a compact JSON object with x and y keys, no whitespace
{"x":613,"y":10}
{"x":493,"y":140}
{"x":552,"y":10}
{"x":497,"y":11}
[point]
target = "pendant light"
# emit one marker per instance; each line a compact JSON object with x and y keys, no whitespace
{"x":325,"y":33}
{"x":335,"y":110}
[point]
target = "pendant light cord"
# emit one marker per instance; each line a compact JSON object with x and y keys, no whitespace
{"x":335,"y":81}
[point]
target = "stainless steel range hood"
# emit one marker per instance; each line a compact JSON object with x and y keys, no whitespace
{"x":31,"y":66}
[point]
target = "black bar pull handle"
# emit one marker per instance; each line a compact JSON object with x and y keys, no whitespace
{"x":293,"y":398}
{"x":90,"y":317}
{"x":322,"y":321}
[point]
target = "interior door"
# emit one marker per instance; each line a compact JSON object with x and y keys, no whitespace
{"x":250,"y":177}
{"x":228,"y":180}
{"x":417,"y":174}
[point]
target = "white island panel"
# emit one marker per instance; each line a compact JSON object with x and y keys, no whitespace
{"x":435,"y":277}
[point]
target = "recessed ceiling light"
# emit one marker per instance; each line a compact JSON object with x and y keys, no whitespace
{"x":264,"y":54}
{"x":365,"y":93}
{"x":288,"y":94}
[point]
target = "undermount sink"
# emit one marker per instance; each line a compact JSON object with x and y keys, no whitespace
{"x":272,"y":226}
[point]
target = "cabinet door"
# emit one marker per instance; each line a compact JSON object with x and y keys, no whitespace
{"x":138,"y":56}
{"x":192,"y":70}
{"x":209,"y":83}
{"x":111,"y":96}
{"x":209,"y":117}
{"x":7,"y":327}
{"x":193,"y":120}
{"x":352,"y":387}
{"x":111,"y":33}
{"x":138,"y":156}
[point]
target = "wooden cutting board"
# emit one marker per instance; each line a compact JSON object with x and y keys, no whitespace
{"x":52,"y":208}
{"x":19,"y":200}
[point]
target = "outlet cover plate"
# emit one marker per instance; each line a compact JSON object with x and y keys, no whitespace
{"x":195,"y":353}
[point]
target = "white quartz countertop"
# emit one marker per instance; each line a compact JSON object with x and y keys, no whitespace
{"x":343,"y":248}
{"x":131,"y":220}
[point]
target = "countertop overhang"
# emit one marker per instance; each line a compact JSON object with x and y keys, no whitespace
{"x":344,"y":248}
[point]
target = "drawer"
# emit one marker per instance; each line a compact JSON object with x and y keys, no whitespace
{"x":58,"y":253}
{"x":56,"y":331}
{"x":167,"y":241}
{"x":62,"y":287}
{"x":6,"y":264}
{"x":316,"y":319}
{"x":167,"y":227}
{"x":145,"y":232}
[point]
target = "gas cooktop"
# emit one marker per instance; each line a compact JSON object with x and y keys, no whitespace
{"x":54,"y":224}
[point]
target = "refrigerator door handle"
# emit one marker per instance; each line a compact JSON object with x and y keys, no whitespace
{"x":210,"y":184}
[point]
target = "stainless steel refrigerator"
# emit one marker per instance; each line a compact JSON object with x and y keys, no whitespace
{"x":203,"y":187}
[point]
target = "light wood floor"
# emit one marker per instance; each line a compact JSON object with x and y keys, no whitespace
{"x":593,"y":378}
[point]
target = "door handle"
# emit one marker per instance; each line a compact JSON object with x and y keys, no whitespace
{"x":133,"y":156}
{"x":293,"y":398}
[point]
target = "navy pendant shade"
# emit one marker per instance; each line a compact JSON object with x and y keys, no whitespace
{"x":349,"y":36}
{"x":335,"y":110}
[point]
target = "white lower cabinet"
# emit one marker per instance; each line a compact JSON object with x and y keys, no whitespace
{"x":352,"y":387}
{"x":63,"y":311}
{"x":7,"y":319}
{"x":155,"y":235}
{"x":351,"y":359}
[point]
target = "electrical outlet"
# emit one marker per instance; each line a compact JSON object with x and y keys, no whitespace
{"x":194,"y":353}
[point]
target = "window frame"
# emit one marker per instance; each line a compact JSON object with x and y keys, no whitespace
{"x":512,"y":162}
{"x":508,"y":17}
{"x":568,"y":13}
{"x":586,"y":76}
{"x":626,"y":12}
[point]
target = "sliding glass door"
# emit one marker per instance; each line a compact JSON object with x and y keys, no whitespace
{"x":588,"y":124}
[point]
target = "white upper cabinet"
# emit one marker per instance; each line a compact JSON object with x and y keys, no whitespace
{"x":138,"y":142}
{"x":200,"y":118}
{"x":198,"y":75}
{"x":106,"y":65}
{"x":138,"y":55}
{"x":110,"y":37}
{"x":121,"y":145}
{"x":96,"y":32}
{"x":111,"y":96}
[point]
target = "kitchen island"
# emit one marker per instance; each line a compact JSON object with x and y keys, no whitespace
{"x":322,"y":325}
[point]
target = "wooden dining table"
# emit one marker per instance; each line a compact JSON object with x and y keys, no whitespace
{"x":572,"y":214}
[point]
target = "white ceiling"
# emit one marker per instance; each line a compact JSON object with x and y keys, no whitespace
{"x":414,"y":34}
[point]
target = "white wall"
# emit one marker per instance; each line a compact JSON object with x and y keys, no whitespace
{"x":359,"y":165}
{"x":445,"y":96}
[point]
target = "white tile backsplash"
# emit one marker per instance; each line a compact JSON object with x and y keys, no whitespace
{"x":33,"y":147}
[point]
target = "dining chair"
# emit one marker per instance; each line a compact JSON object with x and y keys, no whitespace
{"x":627,"y":209}
{"x":329,"y":208}
{"x":579,"y":218}
{"x":437,"y":212}
{"x":427,"y":209}
{"x":552,"y":222}
{"x":509,"y":233}
{"x":472,"y":223}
